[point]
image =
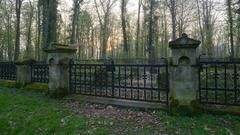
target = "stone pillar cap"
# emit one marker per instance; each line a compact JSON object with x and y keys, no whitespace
{"x":184,"y":42}
{"x":60,"y":48}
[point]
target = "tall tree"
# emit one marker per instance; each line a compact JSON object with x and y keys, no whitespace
{"x":237,"y":4}
{"x":200,"y":27}
{"x":76,"y":10}
{"x":138,"y":28}
{"x":208,"y":25}
{"x":49,"y":23}
{"x":124,"y":25}
{"x":230,"y":21}
{"x":18,"y":18}
{"x":29,"y":22}
{"x":150,"y":34}
{"x":173,"y":10}
{"x":104,"y":12}
{"x":8,"y":36}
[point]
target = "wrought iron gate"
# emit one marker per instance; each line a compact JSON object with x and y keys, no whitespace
{"x":127,"y":81}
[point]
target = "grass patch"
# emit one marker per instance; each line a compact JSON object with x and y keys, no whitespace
{"x":30,"y":113}
{"x":201,"y":124}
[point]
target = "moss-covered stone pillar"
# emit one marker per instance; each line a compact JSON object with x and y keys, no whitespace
{"x":24,"y":71}
{"x":183,"y":73}
{"x":58,"y":59}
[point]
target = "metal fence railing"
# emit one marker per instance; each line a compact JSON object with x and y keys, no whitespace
{"x":219,"y":81}
{"x":8,"y":71}
{"x":40,"y":73}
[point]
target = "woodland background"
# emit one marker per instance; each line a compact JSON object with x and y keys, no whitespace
{"x":118,"y":29}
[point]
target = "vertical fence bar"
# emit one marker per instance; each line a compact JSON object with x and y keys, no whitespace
{"x":80,"y":77}
{"x":158,"y":83}
{"x":95,"y":83}
{"x":167,"y":81}
{"x":113,"y":80}
{"x":235,"y":83}
{"x":125,"y":77}
{"x":106,"y":80}
{"x":32,"y":77}
{"x":225,"y":83}
{"x":138,"y":85}
{"x":119,"y":81}
{"x":75,"y":75}
{"x":101,"y":80}
{"x":138,"y":82}
{"x":70,"y":77}
{"x":216,"y":82}
{"x":151,"y":81}
{"x":90,"y":77}
{"x":200,"y":81}
{"x":85,"y":79}
{"x":131,"y":77}
{"x":206,"y":98}
{"x":144,"y":77}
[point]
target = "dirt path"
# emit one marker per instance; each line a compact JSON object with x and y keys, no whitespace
{"x":122,"y":120}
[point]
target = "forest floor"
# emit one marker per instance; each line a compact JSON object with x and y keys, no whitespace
{"x":29,"y":113}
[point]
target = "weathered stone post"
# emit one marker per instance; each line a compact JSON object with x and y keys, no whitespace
{"x":58,"y":59}
{"x":183,"y":73}
{"x":24,"y":72}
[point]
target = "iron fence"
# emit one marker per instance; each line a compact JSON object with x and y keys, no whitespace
{"x":219,"y":81}
{"x":40,"y":72}
{"x":8,"y":71}
{"x":128,"y":81}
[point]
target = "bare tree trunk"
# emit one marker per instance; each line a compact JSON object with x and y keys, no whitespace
{"x":138,"y":29}
{"x":104,"y":22}
{"x":38,"y":28}
{"x":17,"y":40}
{"x":208,"y":24}
{"x":124,"y":26}
{"x":76,"y":8}
{"x":173,"y":17}
{"x":201,"y":29}
{"x":150,"y":35}
{"x":9,"y":38}
{"x":92,"y":42}
{"x":165,"y":33}
{"x":238,"y":34}
{"x":29,"y":34}
{"x":230,"y":21}
{"x":49,"y":24}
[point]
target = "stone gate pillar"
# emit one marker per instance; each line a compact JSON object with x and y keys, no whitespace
{"x":24,"y":71}
{"x":58,"y":58}
{"x":183,"y":72}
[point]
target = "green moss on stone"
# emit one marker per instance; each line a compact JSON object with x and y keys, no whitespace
{"x":173,"y":107}
{"x":170,"y":61}
{"x":36,"y":87}
{"x":196,"y":106}
{"x":25,"y":61}
{"x":19,"y":85}
{"x":184,"y":110}
{"x":60,"y":93}
{"x":7,"y":83}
